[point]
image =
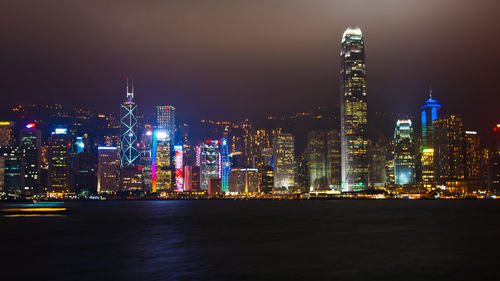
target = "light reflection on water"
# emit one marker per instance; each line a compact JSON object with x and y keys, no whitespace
{"x":33,"y":215}
{"x":238,"y":240}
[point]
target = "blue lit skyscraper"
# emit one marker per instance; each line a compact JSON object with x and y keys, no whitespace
{"x":129,"y":155}
{"x":353,"y":111}
{"x":429,"y":115}
{"x":404,"y":161}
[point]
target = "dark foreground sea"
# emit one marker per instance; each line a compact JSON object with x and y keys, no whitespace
{"x":256,"y":240}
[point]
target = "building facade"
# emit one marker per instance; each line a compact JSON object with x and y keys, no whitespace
{"x":404,"y":156}
{"x":30,"y":144}
{"x":59,"y":161}
{"x":244,"y":181}
{"x":210,"y":162}
{"x":316,"y":160}
{"x":6,"y":133}
{"x":449,"y":147}
{"x":333,"y":160}
{"x":225,"y":164}
{"x":472,"y":156}
{"x":494,"y":161}
{"x":85,"y":171}
{"x":11,"y":172}
{"x":192,"y":178}
{"x":429,"y":114}
{"x":162,"y":162}
{"x":284,"y":160}
{"x":353,"y":111}
{"x":165,"y":120}
{"x":129,"y":155}
{"x":107,"y":169}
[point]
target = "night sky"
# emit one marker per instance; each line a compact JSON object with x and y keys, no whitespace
{"x":232,"y":59}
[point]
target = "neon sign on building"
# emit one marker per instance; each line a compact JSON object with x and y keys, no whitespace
{"x":179,"y":178}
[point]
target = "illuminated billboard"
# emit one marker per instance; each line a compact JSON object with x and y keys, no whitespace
{"x":179,"y":177}
{"x":60,"y":131}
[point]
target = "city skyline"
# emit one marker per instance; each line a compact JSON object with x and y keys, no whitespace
{"x":262,"y":139}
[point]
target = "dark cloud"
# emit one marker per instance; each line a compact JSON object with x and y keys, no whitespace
{"x":226,"y":59}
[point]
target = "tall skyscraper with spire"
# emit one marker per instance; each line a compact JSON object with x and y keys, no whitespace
{"x":429,"y":115}
{"x":129,"y":155}
{"x":353,"y":111}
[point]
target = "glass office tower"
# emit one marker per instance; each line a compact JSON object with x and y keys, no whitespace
{"x":404,"y":160}
{"x":353,"y":111}
{"x":129,"y":155}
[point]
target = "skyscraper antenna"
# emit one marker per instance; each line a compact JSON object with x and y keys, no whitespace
{"x":430,"y":92}
{"x":130,"y":95}
{"x":133,"y":86}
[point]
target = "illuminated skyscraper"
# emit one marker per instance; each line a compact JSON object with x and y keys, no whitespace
{"x":146,"y":160}
{"x":129,"y":155}
{"x":225,"y":164}
{"x":429,"y":115}
{"x":162,"y":166}
{"x":472,"y":156}
{"x":165,"y":120}
{"x":59,"y":161}
{"x":266,"y":180}
{"x":284,"y":160}
{"x":427,"y":165}
{"x":449,"y":148}
{"x":353,"y":111}
{"x":30,"y":144}
{"x":210,"y":162}
{"x":404,"y":160}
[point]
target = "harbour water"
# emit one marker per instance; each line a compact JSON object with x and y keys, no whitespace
{"x":249,"y":240}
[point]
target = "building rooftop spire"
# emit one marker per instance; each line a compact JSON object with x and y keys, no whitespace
{"x":431,"y":102}
{"x":130,"y":95}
